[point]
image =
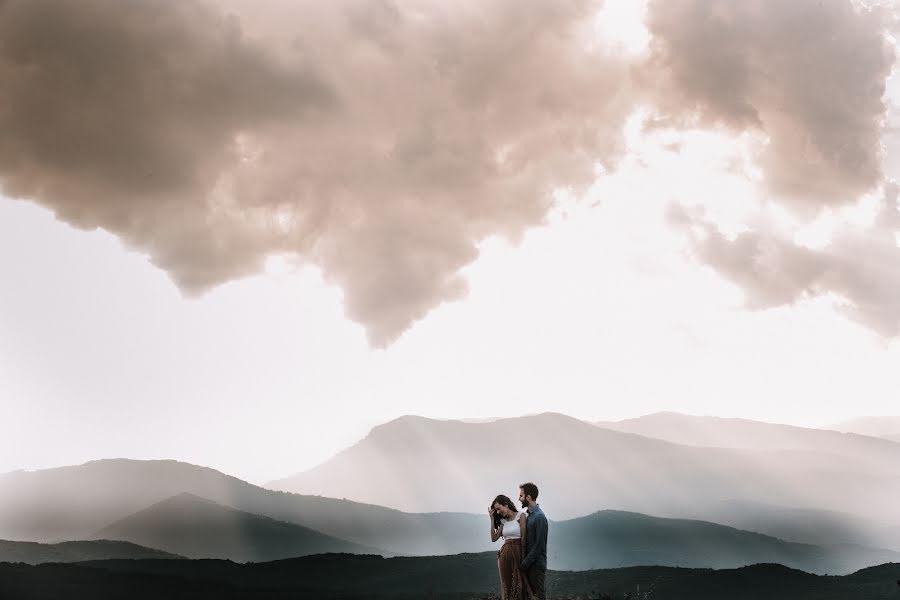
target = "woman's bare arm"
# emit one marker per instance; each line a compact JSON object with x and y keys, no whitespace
{"x":495,"y":533}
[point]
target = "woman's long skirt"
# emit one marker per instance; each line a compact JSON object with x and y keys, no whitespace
{"x":513,"y":584}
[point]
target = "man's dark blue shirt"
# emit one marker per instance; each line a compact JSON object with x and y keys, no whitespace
{"x":535,"y":539}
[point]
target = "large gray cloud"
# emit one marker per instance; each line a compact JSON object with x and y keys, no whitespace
{"x":811,"y":76}
{"x":808,"y":74}
{"x":379,"y":140}
{"x":860,"y":264}
{"x":123,"y":115}
{"x":383,"y":140}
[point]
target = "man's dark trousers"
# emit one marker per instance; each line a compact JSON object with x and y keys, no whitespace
{"x":537,"y":576}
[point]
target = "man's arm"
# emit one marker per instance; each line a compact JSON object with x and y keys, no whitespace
{"x":523,"y":528}
{"x":538,"y":533}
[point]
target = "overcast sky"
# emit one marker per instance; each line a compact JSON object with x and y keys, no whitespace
{"x":242,"y":238}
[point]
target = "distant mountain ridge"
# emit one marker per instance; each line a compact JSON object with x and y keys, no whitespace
{"x":610,"y":539}
{"x":75,"y":502}
{"x":887,"y":426}
{"x":34,"y":553}
{"x":420,"y":465}
{"x":803,"y":525}
{"x":745,"y":434}
{"x":443,"y":472}
{"x":189,"y":525}
{"x":199,"y":528}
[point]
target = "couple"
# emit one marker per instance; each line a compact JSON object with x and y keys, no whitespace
{"x":522,"y":560}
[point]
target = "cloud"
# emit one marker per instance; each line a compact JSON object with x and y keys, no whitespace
{"x":380,"y":141}
{"x":124,"y":115}
{"x":861,"y":264}
{"x":809,"y":75}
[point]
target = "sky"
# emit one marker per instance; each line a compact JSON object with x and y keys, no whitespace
{"x":243,"y":238}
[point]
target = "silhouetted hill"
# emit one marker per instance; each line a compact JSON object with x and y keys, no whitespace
{"x":868,"y":453}
{"x":801,"y":525}
{"x":78,"y":551}
{"x":616,"y":539}
{"x":457,"y":577}
{"x":198,"y":528}
{"x":75,"y":502}
{"x":419,"y":464}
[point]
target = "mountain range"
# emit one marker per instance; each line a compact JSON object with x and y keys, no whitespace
{"x":422,"y":465}
{"x":196,"y":527}
{"x":726,"y":506}
{"x":886,"y":427}
{"x":72,"y":503}
{"x":33,"y":553}
{"x":801,"y":524}
{"x":745,"y":434}
{"x":610,"y":539}
{"x":199,"y":528}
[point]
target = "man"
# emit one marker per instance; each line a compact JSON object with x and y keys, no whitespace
{"x":535,"y":562}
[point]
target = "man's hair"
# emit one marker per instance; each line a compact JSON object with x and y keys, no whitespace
{"x":530,"y":490}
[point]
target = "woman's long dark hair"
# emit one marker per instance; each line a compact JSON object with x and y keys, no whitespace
{"x":502,"y":501}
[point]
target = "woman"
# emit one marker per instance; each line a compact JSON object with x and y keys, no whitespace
{"x":509,"y":524}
